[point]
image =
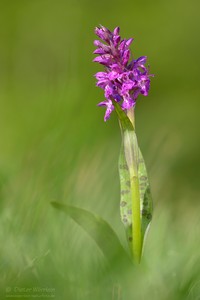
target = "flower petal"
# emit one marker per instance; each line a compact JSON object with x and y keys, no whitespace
{"x":109,"y":108}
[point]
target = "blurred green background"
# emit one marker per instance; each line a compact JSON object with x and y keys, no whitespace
{"x":54,"y":145}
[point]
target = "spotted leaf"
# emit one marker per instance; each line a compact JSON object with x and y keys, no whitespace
{"x":146,"y":204}
{"x":135,"y":201}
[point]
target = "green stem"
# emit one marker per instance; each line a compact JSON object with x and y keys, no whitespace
{"x":131,"y":116}
{"x":131,"y":155}
{"x":136,"y":220}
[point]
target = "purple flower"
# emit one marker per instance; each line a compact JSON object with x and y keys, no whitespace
{"x":122,"y":81}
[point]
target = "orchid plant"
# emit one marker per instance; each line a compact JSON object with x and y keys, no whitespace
{"x":123,"y":80}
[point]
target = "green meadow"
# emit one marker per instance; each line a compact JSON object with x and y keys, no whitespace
{"x":55,"y":146}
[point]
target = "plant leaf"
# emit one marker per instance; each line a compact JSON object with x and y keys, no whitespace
{"x":145,"y":196}
{"x":125,"y":200}
{"x":131,"y":163}
{"x":99,"y":230}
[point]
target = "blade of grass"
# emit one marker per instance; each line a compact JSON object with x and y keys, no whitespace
{"x":100,"y":231}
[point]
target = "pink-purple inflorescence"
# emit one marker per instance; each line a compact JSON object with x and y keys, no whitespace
{"x":122,"y":80}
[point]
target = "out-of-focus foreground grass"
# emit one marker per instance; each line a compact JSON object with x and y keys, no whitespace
{"x":54,"y":145}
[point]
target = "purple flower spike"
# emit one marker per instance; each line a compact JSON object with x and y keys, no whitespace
{"x":122,"y":81}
